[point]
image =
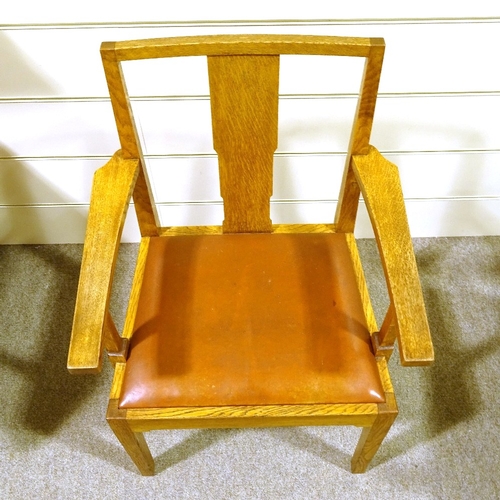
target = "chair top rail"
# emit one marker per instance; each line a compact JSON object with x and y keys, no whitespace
{"x":220,"y":45}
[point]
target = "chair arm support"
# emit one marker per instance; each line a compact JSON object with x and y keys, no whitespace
{"x":380,"y":186}
{"x":111,"y":191}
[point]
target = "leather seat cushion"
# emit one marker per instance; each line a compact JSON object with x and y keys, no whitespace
{"x":249,"y":319}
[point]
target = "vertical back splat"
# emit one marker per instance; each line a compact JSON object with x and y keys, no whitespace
{"x":244,"y":100}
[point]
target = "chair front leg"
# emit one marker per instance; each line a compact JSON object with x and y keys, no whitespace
{"x":133,"y":442}
{"x":372,"y":437}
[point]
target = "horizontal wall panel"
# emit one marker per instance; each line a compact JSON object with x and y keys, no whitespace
{"x":184,"y":179}
{"x":449,"y":175}
{"x":197,"y":179}
{"x":33,"y":182}
{"x":438,"y":57}
{"x":298,"y":75}
{"x":300,"y":177}
{"x":432,"y":57}
{"x":180,"y":127}
{"x":29,"y":182}
{"x":52,"y":225}
{"x":308,"y":177}
{"x":53,"y":11}
{"x":176,"y":76}
{"x":196,"y":214}
{"x":454,"y":217}
{"x":318,"y":177}
{"x":437,"y":123}
{"x":419,"y":58}
{"x":174,"y":126}
{"x":427,"y":218}
{"x":315,"y":125}
{"x":60,"y":128}
{"x":423,"y":176}
{"x":430,"y":123}
{"x":51,"y":63}
{"x":77,"y":128}
{"x":212,"y":213}
{"x":281,"y":213}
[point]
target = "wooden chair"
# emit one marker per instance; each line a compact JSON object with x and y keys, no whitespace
{"x":248,"y":324}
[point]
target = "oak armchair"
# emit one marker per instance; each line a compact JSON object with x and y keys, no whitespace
{"x":248,"y":324}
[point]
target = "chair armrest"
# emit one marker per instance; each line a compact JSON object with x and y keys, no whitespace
{"x":380,"y":186}
{"x":111,"y":191}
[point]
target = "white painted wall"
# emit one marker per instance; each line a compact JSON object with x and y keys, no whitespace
{"x":437,"y":116}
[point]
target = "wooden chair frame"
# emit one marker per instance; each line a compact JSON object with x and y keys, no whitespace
{"x":367,"y":172}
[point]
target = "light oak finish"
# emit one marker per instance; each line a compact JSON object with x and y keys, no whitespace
{"x":104,"y":228}
{"x":129,"y":141}
{"x":244,"y":100}
{"x":243,"y":75}
{"x":377,"y":178}
{"x":360,"y":136}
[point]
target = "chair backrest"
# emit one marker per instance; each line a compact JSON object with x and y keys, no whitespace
{"x":243,"y":77}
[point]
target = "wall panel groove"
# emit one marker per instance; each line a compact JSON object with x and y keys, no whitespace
{"x":254,"y":23}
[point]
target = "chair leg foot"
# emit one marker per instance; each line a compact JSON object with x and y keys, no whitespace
{"x":135,"y":445}
{"x":372,"y":437}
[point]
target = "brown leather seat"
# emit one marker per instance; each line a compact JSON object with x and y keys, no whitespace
{"x":244,"y":319}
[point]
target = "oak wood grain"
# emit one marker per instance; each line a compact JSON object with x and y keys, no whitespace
{"x":116,"y":346}
{"x":371,"y":321}
{"x":142,"y":420}
{"x":347,"y":207}
{"x":104,"y":228}
{"x":135,"y":290}
{"x":304,"y":228}
{"x":276,"y":228}
{"x":130,"y":145}
{"x":381,"y":188}
{"x":372,"y":437}
{"x":385,"y":378}
{"x":116,"y":384}
{"x":241,"y":45}
{"x":133,"y":442}
{"x":383,"y":341}
{"x":112,"y":340}
{"x":244,"y":103}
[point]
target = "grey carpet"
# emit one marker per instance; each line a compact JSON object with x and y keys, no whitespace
{"x":445,"y":444}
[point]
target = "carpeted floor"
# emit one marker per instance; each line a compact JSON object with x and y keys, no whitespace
{"x":445,"y":444}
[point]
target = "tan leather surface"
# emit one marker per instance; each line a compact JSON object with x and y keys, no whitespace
{"x":242,"y":319}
